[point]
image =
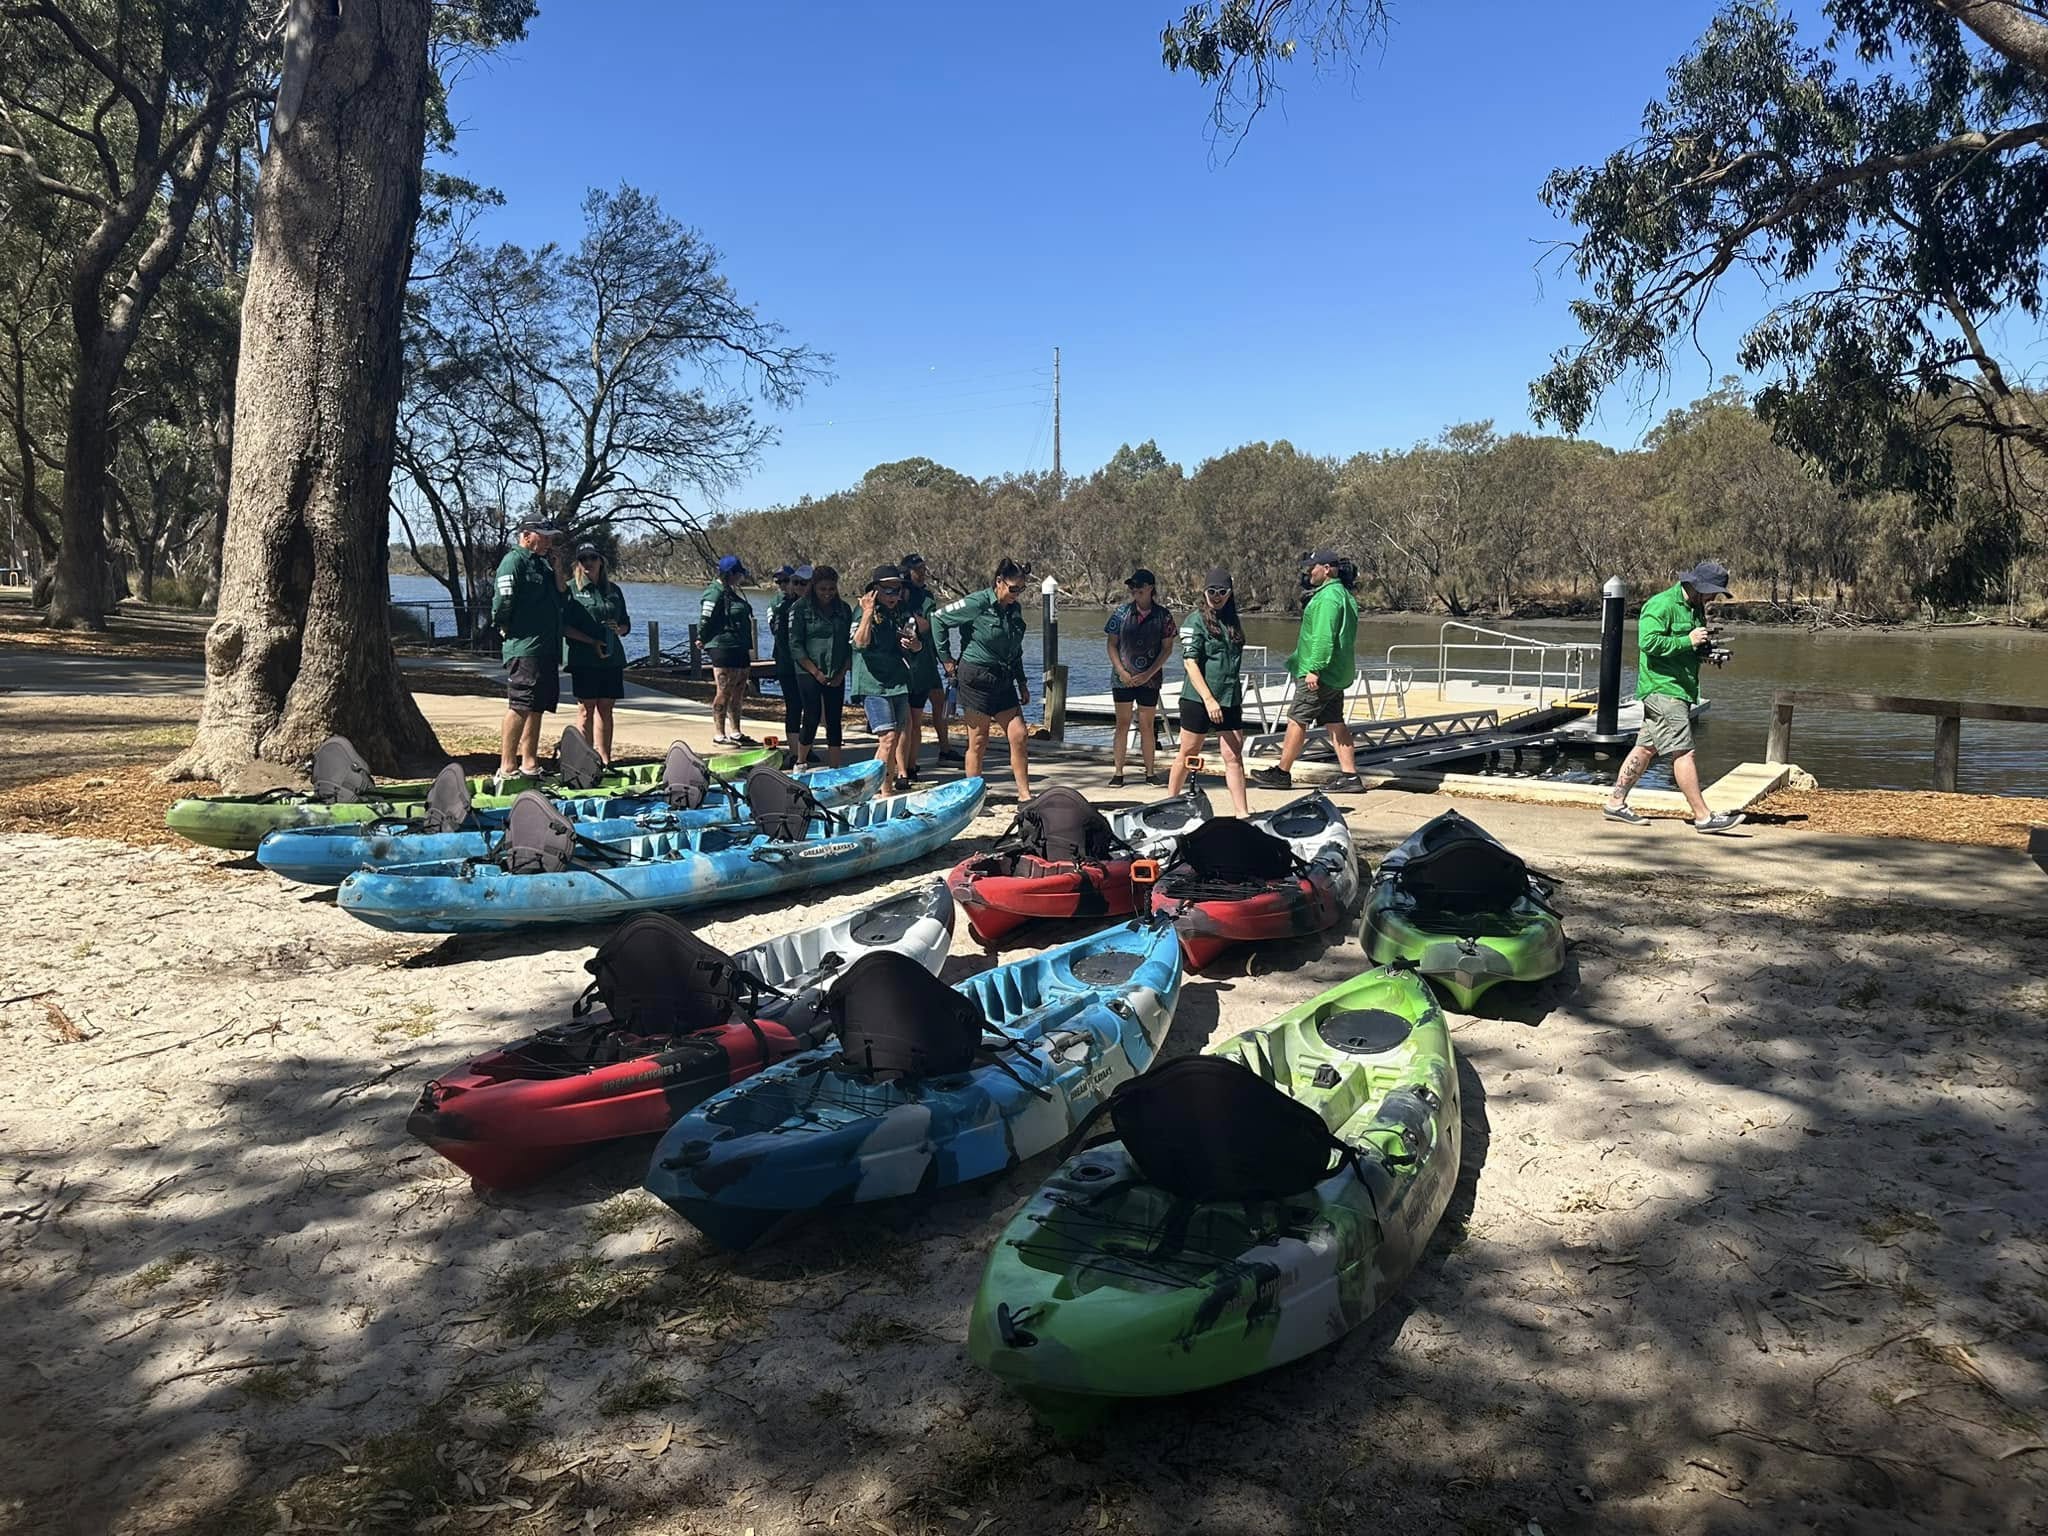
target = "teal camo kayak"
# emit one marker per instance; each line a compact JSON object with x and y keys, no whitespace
{"x":1464,"y":910}
{"x":1038,"y":1044}
{"x":662,"y":871}
{"x":1176,"y":1259}
{"x":240,"y":821}
{"x":329,"y":855}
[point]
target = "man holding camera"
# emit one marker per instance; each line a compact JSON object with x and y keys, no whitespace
{"x":1672,"y":639}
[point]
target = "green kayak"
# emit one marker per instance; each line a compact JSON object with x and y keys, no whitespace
{"x":240,"y":821}
{"x":1464,"y":910}
{"x":1178,"y":1259}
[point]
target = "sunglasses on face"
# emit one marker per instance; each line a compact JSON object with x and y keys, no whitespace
{"x":1219,"y":591}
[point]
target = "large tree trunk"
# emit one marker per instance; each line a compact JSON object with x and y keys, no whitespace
{"x":78,"y":591}
{"x":302,"y":645}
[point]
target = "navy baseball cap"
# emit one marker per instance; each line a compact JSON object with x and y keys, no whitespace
{"x":911,"y":562}
{"x":784,"y":572}
{"x":732,"y":565}
{"x":1142,"y":578}
{"x":1326,"y":557}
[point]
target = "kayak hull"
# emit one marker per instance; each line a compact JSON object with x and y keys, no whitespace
{"x":1212,"y":920}
{"x":1100,"y":1290}
{"x":330,"y":854}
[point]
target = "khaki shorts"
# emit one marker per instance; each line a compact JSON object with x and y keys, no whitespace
{"x":1667,"y":725}
{"x":1316,"y":705}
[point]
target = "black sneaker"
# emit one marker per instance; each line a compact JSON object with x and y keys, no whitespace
{"x":1272,"y":778}
{"x":1345,"y":784}
{"x":1116,"y":780}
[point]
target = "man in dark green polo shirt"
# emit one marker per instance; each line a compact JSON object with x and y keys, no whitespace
{"x":1671,"y":640}
{"x":526,"y":608}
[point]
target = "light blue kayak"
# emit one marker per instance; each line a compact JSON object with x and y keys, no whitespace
{"x":661,"y":871}
{"x":329,"y":855}
{"x":816,"y":1130}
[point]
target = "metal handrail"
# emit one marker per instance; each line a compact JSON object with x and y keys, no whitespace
{"x":1570,"y":673}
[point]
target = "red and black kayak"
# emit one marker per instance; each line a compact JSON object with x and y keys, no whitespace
{"x":1061,"y":857}
{"x":680,"y":1022}
{"x":1278,"y":875}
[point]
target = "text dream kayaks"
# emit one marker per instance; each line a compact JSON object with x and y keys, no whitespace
{"x":1177,"y":1258}
{"x":1463,"y":910}
{"x":1277,"y":875}
{"x":240,"y":821}
{"x":328,"y":855}
{"x":1064,"y":858}
{"x":675,"y":1023}
{"x":660,"y":871}
{"x":926,"y":1086}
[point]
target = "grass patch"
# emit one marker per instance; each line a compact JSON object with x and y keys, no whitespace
{"x":390,"y":1483}
{"x":153,"y":1277}
{"x":1897,"y":1221}
{"x":642,"y":1393}
{"x":278,"y":1385}
{"x":871,"y":1330}
{"x":413,"y":1022}
{"x":1862,"y":995}
{"x":585,"y":1295}
{"x":830,"y":1403}
{"x":623,"y":1213}
{"x":517,"y":1404}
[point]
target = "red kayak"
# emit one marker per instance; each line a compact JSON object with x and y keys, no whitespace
{"x":1282,"y":874}
{"x":1061,"y":857}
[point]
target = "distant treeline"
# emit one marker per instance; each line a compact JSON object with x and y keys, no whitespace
{"x":1473,"y":522}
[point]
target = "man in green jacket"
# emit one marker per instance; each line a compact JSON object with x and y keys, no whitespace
{"x":1324,"y":663}
{"x":526,"y":609}
{"x":1671,"y":640}
{"x":725,"y":630}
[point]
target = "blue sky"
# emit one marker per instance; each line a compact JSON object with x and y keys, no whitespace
{"x":937,"y":194}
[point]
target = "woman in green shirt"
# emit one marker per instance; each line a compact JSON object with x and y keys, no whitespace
{"x":821,"y":645}
{"x":596,"y":671}
{"x":1212,"y":688}
{"x":990,"y":671}
{"x":884,"y":639}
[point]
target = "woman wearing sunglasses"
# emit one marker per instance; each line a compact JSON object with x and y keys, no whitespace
{"x":597,"y":671}
{"x":990,"y":671}
{"x":1212,"y":688}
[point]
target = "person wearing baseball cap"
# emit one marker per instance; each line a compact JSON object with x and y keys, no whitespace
{"x":594,"y":626}
{"x":927,"y":682}
{"x":1324,"y":662}
{"x":1140,"y":639}
{"x":725,"y":629}
{"x":1212,"y":688}
{"x":1671,"y":640}
{"x":789,"y":592}
{"x":526,"y":609}
{"x":884,"y":640}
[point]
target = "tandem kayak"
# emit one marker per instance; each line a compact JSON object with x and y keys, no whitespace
{"x":1030,"y":875}
{"x":329,"y":855}
{"x":662,"y":871}
{"x":1174,"y":1260}
{"x":1277,"y":875}
{"x":240,"y":821}
{"x":1002,"y":1067}
{"x":1464,"y":910}
{"x":518,"y":1113}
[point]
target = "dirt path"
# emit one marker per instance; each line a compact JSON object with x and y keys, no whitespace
{"x":1753,"y":1235}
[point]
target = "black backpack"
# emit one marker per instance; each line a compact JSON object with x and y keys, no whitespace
{"x":538,"y":840}
{"x":1461,"y":870}
{"x":686,"y":779}
{"x":656,"y":977}
{"x":1209,"y":1128}
{"x":1230,"y":850}
{"x":783,"y":808}
{"x":338,"y":774}
{"x":895,"y":1019}
{"x":448,"y":806}
{"x":576,"y":763}
{"x":1061,"y":827}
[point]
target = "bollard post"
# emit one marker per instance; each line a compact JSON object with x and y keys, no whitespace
{"x":1613,"y":596}
{"x":696,"y":653}
{"x":1056,"y":703}
{"x":1049,"y":618}
{"x":653,"y":640}
{"x":1053,"y":680}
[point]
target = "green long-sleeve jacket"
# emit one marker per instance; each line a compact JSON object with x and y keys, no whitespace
{"x":994,"y":634}
{"x":595,"y":610}
{"x":726,"y":626}
{"x":824,"y":636}
{"x":526,"y":606}
{"x":1666,"y":661}
{"x":1328,"y":642}
{"x":778,"y":629}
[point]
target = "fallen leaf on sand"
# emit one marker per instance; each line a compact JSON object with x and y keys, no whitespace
{"x":2021,"y":1450}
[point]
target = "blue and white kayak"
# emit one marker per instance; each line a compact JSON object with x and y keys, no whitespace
{"x":328,"y":855}
{"x":816,"y":1130}
{"x":671,"y":871}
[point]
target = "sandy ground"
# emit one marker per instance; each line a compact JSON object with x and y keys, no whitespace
{"x":1752,"y":1235}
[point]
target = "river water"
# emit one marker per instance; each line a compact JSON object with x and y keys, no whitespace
{"x":1844,"y":750}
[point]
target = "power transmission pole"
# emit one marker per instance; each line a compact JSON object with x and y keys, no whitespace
{"x":1056,"y":477}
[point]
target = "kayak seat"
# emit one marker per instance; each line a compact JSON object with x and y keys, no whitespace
{"x":685,"y":777}
{"x":1461,"y":871}
{"x":1060,"y":827}
{"x":576,"y":761}
{"x":1231,"y":851}
{"x":338,"y":774}
{"x":783,"y":807}
{"x":448,"y":803}
{"x":655,"y":976}
{"x":538,"y":839}
{"x":894,"y":1019}
{"x":1208,"y":1128}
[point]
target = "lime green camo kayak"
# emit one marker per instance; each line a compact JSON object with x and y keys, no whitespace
{"x":241,"y":821}
{"x":1179,"y":1258}
{"x":1464,"y":910}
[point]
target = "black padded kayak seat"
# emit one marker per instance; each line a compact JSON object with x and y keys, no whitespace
{"x":577,"y":764}
{"x":895,"y":1019}
{"x":539,"y":839}
{"x":783,"y":807}
{"x":1208,"y":1128}
{"x":1460,"y":869}
{"x":1060,"y":827}
{"x":1231,"y":850}
{"x":657,"y":977}
{"x":685,"y":777}
{"x":1364,"y":1031}
{"x":338,"y":774}
{"x":448,"y":803}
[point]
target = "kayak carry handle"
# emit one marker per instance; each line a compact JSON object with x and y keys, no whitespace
{"x":1007,"y":1325}
{"x":1144,"y":873}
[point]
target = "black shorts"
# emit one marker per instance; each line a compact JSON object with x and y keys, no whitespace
{"x":1316,"y":706}
{"x":1196,"y":719}
{"x":1145,"y":696}
{"x":533,"y":685}
{"x":985,"y":691}
{"x":598,"y":683}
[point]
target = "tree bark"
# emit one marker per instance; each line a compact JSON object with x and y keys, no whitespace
{"x":302,"y":645}
{"x":78,"y":591}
